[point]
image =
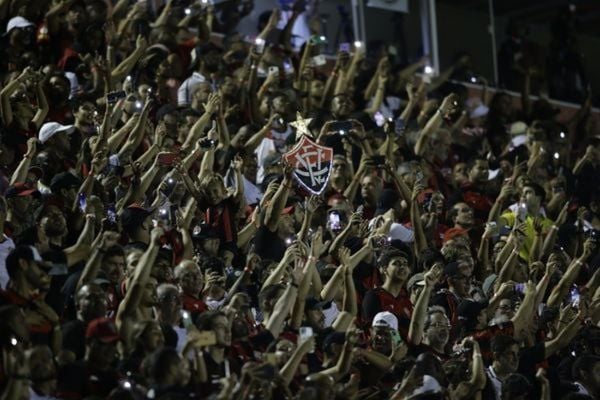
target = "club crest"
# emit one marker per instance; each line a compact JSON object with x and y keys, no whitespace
{"x":312,"y":164}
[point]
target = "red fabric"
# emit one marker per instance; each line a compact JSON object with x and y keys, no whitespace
{"x":400,"y":306}
{"x":193,"y":304}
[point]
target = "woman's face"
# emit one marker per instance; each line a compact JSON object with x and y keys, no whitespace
{"x":153,"y":337}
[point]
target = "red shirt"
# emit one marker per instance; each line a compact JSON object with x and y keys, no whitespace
{"x":193,"y":304}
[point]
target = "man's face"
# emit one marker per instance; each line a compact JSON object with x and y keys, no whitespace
{"x":339,"y":168}
{"x":190,"y":280}
{"x":341,"y":106}
{"x":397,"y":269}
{"x":162,"y":270}
{"x":222,"y":329}
{"x":85,"y":113}
{"x":169,"y":303}
{"x":201,"y":93}
{"x":114,"y":268}
{"x":150,"y":297}
{"x":509,"y":360}
{"x":460,"y":285}
{"x":530,"y":198}
{"x":505,"y":309}
{"x":464,"y":215}
{"x":438,"y":331}
{"x":36,"y":276}
{"x":102,"y":355}
{"x":54,"y":222}
{"x":281,"y":105}
{"x":316,"y":319}
{"x":210,"y":246}
{"x":91,"y":302}
{"x":370,"y":189}
{"x":381,"y":339}
{"x":479,"y":172}
{"x":215,"y":192}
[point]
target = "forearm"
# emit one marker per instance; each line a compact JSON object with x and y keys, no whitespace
{"x":561,"y":289}
{"x":350,"y":192}
{"x":349,"y":303}
{"x":43,"y":108}
{"x":420,"y":242}
{"x":277,"y":204}
{"x":377,"y":100}
{"x":196,"y":130}
{"x":223,"y":131}
{"x":305,"y":225}
{"x":332,"y":286}
{"x":483,"y":255}
{"x":298,"y":308}
{"x":281,"y":311}
{"x":20,"y":174}
{"x":507,"y":269}
{"x":417,"y":322}
{"x":549,"y":241}
{"x":434,"y":123}
{"x":92,"y":266}
{"x":116,"y":139}
{"x":535,"y":252}
{"x":245,"y":235}
{"x":377,"y":360}
{"x":207,"y":164}
{"x":288,"y":371}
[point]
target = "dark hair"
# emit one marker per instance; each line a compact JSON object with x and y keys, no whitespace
{"x":157,"y":363}
{"x":501,"y":343}
{"x":428,"y":257}
{"x":539,"y":191}
{"x":12,"y":260}
{"x":214,"y":264}
{"x":112,"y":251}
{"x":207,"y":319}
{"x":583,"y":364}
{"x":515,"y":385}
{"x":267,"y":294}
{"x":388,"y":254}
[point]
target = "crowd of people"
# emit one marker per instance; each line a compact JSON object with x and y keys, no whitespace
{"x":157,"y":245}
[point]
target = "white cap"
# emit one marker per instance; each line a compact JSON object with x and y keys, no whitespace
{"x":387,"y":319}
{"x":50,"y":129}
{"x":479,"y":111}
{"x":17,"y":22}
{"x":518,"y":128}
{"x":400,"y":232}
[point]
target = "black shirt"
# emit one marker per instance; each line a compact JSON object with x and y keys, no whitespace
{"x":268,"y":245}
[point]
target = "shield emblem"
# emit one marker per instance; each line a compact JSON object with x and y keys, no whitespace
{"x":312,"y":164}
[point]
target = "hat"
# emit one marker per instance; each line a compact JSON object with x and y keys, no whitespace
{"x":50,"y":129}
{"x":454,"y":232}
{"x":20,"y":189}
{"x":64,"y":180}
{"x":488,"y":283}
{"x":103,"y":329}
{"x":133,"y":217}
{"x":312,"y":303}
{"x":17,"y":22}
{"x":417,"y":279}
{"x":517,"y":128}
{"x":272,"y":159}
{"x":468,"y":309}
{"x":385,"y":319}
{"x":400,"y":232}
{"x":479,"y":111}
{"x":452,"y":271}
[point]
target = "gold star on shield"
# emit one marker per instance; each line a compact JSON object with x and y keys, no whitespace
{"x":301,"y":125}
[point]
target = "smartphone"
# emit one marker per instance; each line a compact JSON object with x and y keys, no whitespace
{"x":343,"y":127}
{"x":316,"y":39}
{"x":319,"y":60}
{"x":207,"y":143}
{"x":522,"y":212}
{"x":164,"y":215}
{"x":520,"y":288}
{"x":575,"y":297}
{"x":82,"y":202}
{"x":167,"y":159}
{"x":259,"y":45}
{"x":334,"y":221}
{"x":186,"y":319}
{"x":305,"y":333}
{"x":111,"y":214}
{"x":344,"y":47}
{"x":399,"y":126}
{"x":379,"y":119}
{"x":113,"y":97}
{"x":493,"y":227}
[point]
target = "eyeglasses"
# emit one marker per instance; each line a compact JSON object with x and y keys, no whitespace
{"x":440,"y":325}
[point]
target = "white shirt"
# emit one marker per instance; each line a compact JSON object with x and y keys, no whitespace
{"x":330,"y":314}
{"x":252,"y":193}
{"x":496,"y":383}
{"x":184,"y":93}
{"x":5,"y":248}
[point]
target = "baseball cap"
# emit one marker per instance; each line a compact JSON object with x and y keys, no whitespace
{"x":64,"y":180}
{"x":50,"y":129}
{"x":20,"y":189}
{"x":417,"y":279}
{"x":517,"y":128}
{"x":103,"y":329}
{"x":454,"y":232}
{"x":488,"y":283}
{"x":469,"y":310}
{"x":451,"y":270}
{"x":17,"y":22}
{"x":385,"y":319}
{"x":312,"y":303}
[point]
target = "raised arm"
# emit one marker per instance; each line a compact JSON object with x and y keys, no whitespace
{"x":417,"y":322}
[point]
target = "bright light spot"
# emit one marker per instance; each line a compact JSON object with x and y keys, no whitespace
{"x":556,"y":156}
{"x":188,"y":11}
{"x":428,"y":70}
{"x":562,"y":135}
{"x":357,"y":44}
